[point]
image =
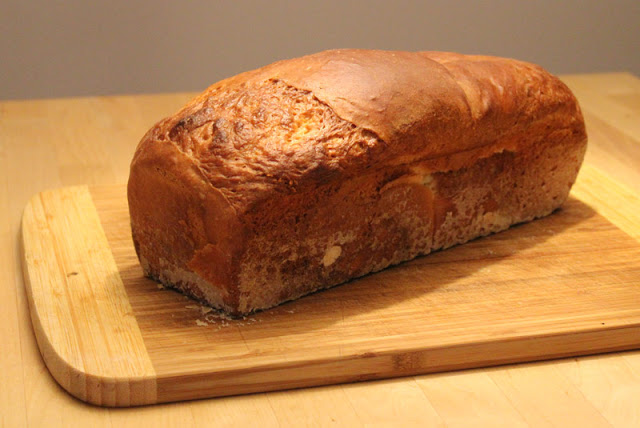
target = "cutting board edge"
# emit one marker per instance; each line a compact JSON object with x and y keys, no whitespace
{"x":115,"y":390}
{"x":392,"y":364}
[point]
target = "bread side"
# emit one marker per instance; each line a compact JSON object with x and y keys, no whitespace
{"x":345,"y":230}
{"x":310,"y":172}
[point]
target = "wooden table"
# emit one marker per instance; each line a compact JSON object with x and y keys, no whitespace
{"x":53,"y":143}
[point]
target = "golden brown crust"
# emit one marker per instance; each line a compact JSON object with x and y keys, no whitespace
{"x":364,"y":131}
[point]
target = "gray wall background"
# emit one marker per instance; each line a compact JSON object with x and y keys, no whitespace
{"x":54,"y":48}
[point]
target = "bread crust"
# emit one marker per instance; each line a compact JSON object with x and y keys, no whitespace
{"x":309,"y":172}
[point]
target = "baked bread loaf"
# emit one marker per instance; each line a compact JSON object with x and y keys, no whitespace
{"x":309,"y":172}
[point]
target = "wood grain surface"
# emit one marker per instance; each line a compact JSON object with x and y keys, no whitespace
{"x":568,"y":284}
{"x":46,"y":144}
{"x":84,"y":323}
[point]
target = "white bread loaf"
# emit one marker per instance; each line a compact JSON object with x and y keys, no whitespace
{"x":309,"y":172}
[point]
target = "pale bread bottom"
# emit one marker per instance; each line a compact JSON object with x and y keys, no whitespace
{"x":321,"y":238}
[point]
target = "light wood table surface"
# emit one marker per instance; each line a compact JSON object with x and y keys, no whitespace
{"x":46,"y":144}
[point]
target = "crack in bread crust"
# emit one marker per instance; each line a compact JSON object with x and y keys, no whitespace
{"x":268,"y":137}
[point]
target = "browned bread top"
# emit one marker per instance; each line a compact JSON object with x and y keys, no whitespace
{"x":299,"y":122}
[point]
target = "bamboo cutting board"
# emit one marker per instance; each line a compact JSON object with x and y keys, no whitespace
{"x":568,"y":284}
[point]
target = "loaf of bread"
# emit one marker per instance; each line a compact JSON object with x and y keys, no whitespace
{"x":309,"y":172}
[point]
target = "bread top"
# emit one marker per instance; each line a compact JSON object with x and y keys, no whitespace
{"x":306,"y":121}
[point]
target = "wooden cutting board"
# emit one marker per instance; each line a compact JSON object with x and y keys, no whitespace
{"x":568,"y":284}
